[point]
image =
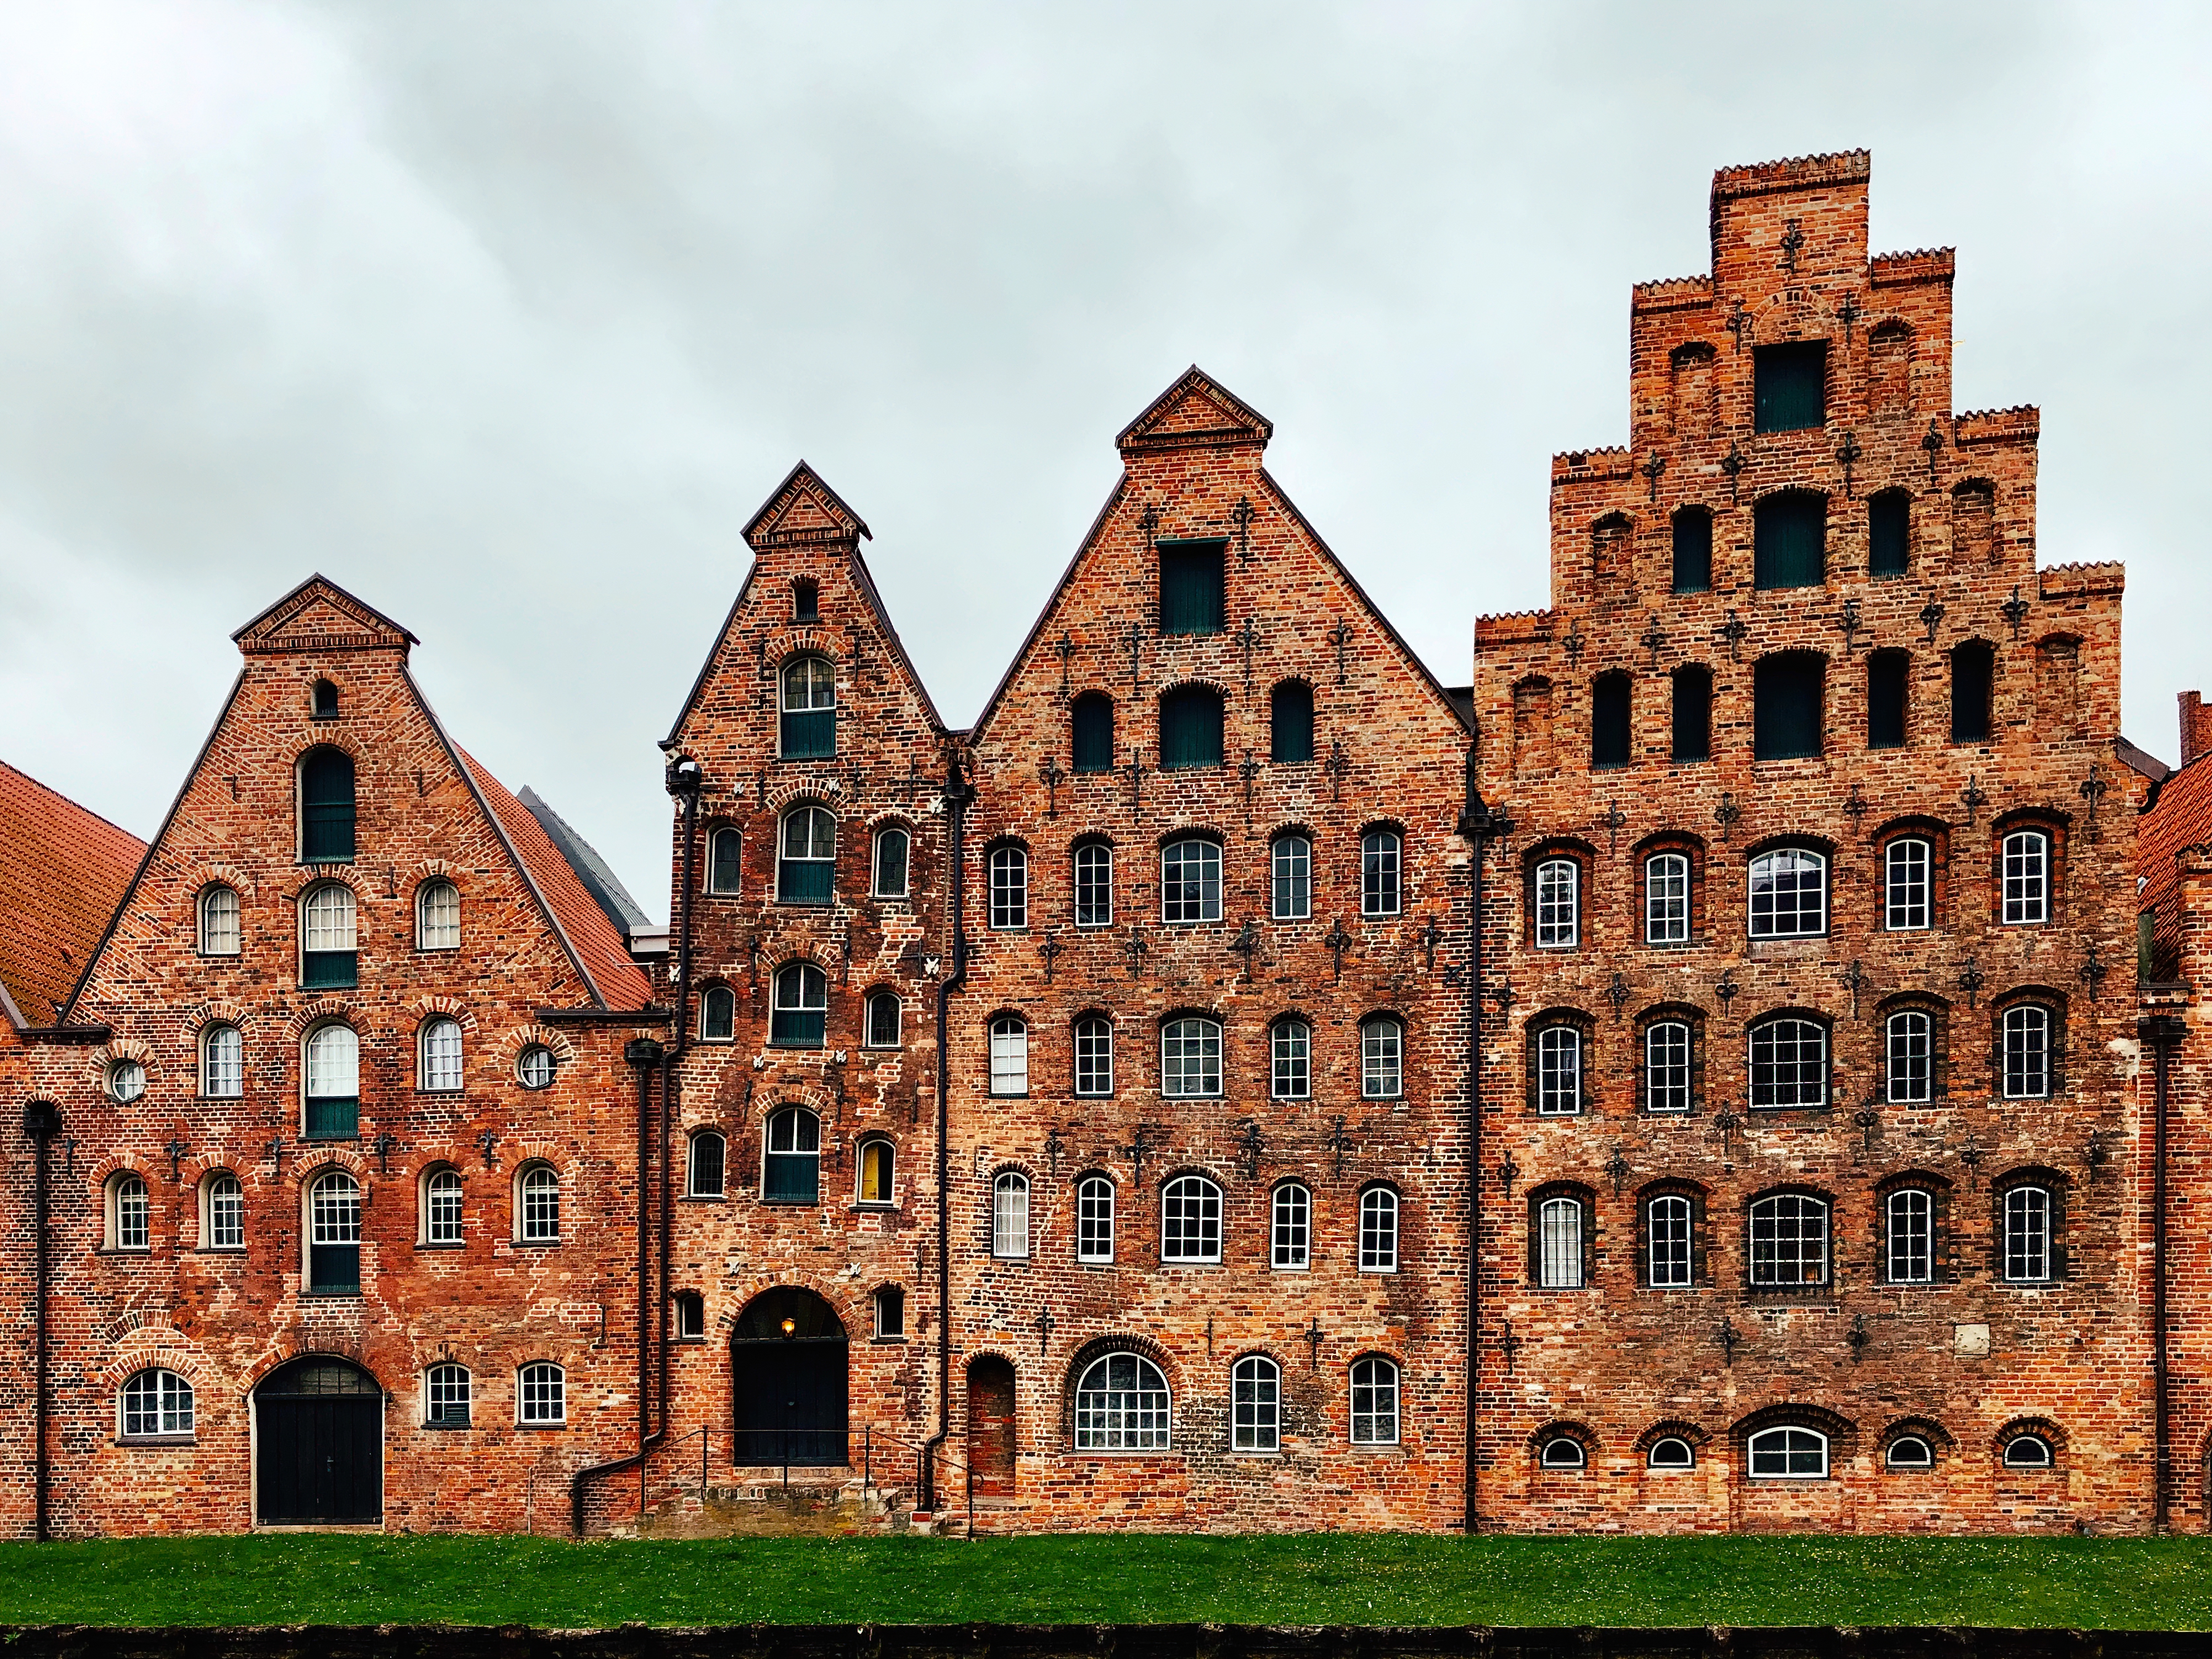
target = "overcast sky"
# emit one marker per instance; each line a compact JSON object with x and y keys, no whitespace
{"x":507,"y":317}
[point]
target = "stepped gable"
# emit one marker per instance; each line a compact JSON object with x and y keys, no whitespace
{"x":63,"y":872}
{"x":1196,"y":412}
{"x":320,"y":616}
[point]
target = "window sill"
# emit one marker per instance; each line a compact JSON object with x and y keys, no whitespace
{"x":441,"y":1094}
{"x":704,"y":1198}
{"x":126,"y":1255}
{"x":219,"y":1249}
{"x":449,"y":1425}
{"x":312,"y":1139}
{"x":156,"y":1442}
{"x":789,"y":1047}
{"x":793,"y":1203}
{"x":691,"y":1341}
{"x":441,"y":1244}
{"x":541,"y":1428}
{"x":874,"y":1206}
{"x":886,"y":1341}
{"x":536,"y":1243}
{"x":350,"y":1293}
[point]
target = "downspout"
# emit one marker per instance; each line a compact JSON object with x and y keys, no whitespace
{"x":42,"y":1121}
{"x":958,"y":793}
{"x":2164,"y":1033}
{"x":1476,"y":823}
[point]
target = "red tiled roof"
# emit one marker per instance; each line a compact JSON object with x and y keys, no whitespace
{"x":2181,"y":818}
{"x":620,"y":983}
{"x":62,"y":871}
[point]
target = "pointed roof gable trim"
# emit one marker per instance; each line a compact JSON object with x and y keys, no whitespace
{"x":1196,"y":412}
{"x":320,"y":616}
{"x":804,"y":510}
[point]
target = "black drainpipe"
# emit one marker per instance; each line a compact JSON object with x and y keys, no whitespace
{"x":1477,"y":822}
{"x":958,"y":793}
{"x":2164,"y":1033}
{"x":42,"y":1121}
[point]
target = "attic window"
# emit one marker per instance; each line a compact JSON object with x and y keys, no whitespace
{"x":1790,"y":386}
{"x":326,"y":701}
{"x":807,"y":600}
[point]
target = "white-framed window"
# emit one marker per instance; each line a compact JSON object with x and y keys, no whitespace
{"x":1378,"y":1231}
{"x":1789,"y":894}
{"x":1909,"y":1057}
{"x":1094,"y":884}
{"x":1255,"y":1405}
{"x":331,"y":1062}
{"x":129,"y":1212}
{"x":1559,"y":1244}
{"x":1374,"y":1401}
{"x":541,"y":1392}
{"x":806,"y":868}
{"x":447,"y":1402}
{"x":1094,"y":1218}
{"x":1788,"y":1062}
{"x":1558,"y":1070}
{"x":1671,"y":1452}
{"x":1670,"y":1263}
{"x":538,"y":1206}
{"x":1382,"y":1058}
{"x":221,"y":934}
{"x":791,"y":1158}
{"x":334,"y":1235}
{"x":1559,"y":909}
{"x":1666,"y":899}
{"x":1790,"y":1241}
{"x":1010,"y":1055}
{"x":2028,"y":1236}
{"x":1382,"y":874}
{"x":885,"y":1014}
{"x":1010,"y":1216}
{"x":1909,"y":1451}
{"x":1668,"y":1077}
{"x":1190,"y":1057}
{"x":808,"y":730}
{"x":1289,"y":1044}
{"x":726,"y":861}
{"x":1908,"y":1236}
{"x":1094,"y":1056}
{"x":1908,"y":885}
{"x":223,"y":1212}
{"x":223,"y":1063}
{"x":1788,"y":1452}
{"x":155,"y":1405}
{"x":2028,"y":1451}
{"x":126,"y":1081}
{"x":442,"y":1208}
{"x":330,"y":920}
{"x":1290,"y":861}
{"x":1122,"y":1404}
{"x":1190,"y":1220}
{"x":705,"y":1164}
{"x":889,"y":1311}
{"x":2026,"y":856}
{"x":1290,"y":1232}
{"x":889,"y":864}
{"x":718,"y":1014}
{"x":1190,"y":880}
{"x":799,"y":1006}
{"x":438,"y":916}
{"x":2025,"y":1046}
{"x":1562,"y":1451}
{"x":439,"y":1064}
{"x":1009,"y":886}
{"x":534,"y":1067}
{"x":878,"y":1165}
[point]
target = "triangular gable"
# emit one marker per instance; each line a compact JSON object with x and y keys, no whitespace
{"x":1196,"y":412}
{"x":320,"y":616}
{"x":804,"y":512}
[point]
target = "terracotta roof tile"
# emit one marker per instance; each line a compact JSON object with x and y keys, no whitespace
{"x":62,"y":871}
{"x":2181,"y":818}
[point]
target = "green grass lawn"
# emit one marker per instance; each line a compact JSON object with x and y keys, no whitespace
{"x":1388,"y":1579}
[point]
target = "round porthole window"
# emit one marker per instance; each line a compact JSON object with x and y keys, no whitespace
{"x":126,"y":1080}
{"x":534,"y":1066}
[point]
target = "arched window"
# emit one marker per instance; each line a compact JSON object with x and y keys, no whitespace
{"x":1666,"y":898}
{"x":1789,"y":1240}
{"x":535,"y":1067}
{"x":726,"y":861}
{"x":1010,"y":1216}
{"x":1559,"y":1244}
{"x":704,"y":1166}
{"x":1788,"y":1452}
{"x":1255,"y":1405}
{"x":1378,"y":1231}
{"x":1671,"y":1452}
{"x":1382,"y":1058}
{"x":791,"y":1170}
{"x":438,"y":1064}
{"x":438,"y":916}
{"x":1121,"y":1404}
{"x":1888,"y":693}
{"x":1010,"y":887}
{"x":1290,"y":1228}
{"x":886,"y":1012}
{"x":1557,"y":1070}
{"x":1789,"y":894}
{"x":326,"y":807}
{"x":809,"y":728}
{"x":1190,"y":880}
{"x":323,"y":701}
{"x":1788,"y":1062}
{"x":801,"y":1011}
{"x":1010,"y":1055}
{"x":334,"y":1235}
{"x":442,"y":1208}
{"x":1909,"y":1057}
{"x":156,"y":1405}
{"x":1787,"y":691}
{"x":1691,"y":713}
{"x":222,"y":1212}
{"x":1562,"y":1451}
{"x":1909,"y":1451}
{"x":445,"y":1397}
{"x":1693,"y":551}
{"x":223,"y":1063}
{"x":1190,"y":1057}
{"x":891,"y":848}
{"x":2029,"y":1229}
{"x":1290,"y":859}
{"x":1092,"y":719}
{"x":1889,"y":533}
{"x":1557,"y":912}
{"x":333,"y":1082}
{"x":806,"y":871}
{"x":129,"y":1212}
{"x":1094,"y":1056}
{"x":219,"y":921}
{"x":538,"y":1219}
{"x":1374,"y":1402}
{"x":878,"y":1172}
{"x":1908,"y":1255}
{"x":1094,"y":1218}
{"x":1973,"y":668}
{"x":328,"y":956}
{"x":1908,"y":883}
{"x":1190,"y":1220}
{"x":2025,"y":875}
{"x":1290,"y":1043}
{"x":1291,"y":723}
{"x":2024,"y":1052}
{"x":890,"y":1305}
{"x":1789,"y":531}
{"x":1790,"y":386}
{"x":2028,"y":1451}
{"x":1669,"y":1254}
{"x":718,"y":1014}
{"x":1611,"y":724}
{"x":126,"y":1081}
{"x":1669,"y":1066}
{"x":1094,"y":884}
{"x":1190,"y":728}
{"x":541,"y":1392}
{"x":1382,"y":874}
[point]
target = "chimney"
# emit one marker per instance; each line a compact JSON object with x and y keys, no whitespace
{"x":2195,"y":727}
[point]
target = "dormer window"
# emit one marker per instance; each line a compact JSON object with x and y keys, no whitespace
{"x":325,"y":701}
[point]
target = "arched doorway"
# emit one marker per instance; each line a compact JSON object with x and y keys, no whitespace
{"x":787,"y":1381}
{"x":319,"y":1444}
{"x":991,"y":1426}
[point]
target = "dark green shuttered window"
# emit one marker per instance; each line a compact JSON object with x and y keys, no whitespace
{"x":1790,"y":533}
{"x":1786,"y":707}
{"x":1889,"y":533}
{"x":1792,"y":386}
{"x":326,"y":807}
{"x":1289,"y":712}
{"x":1190,"y":588}
{"x":810,"y":710}
{"x":1190,"y":728}
{"x":1609,"y":722}
{"x":1094,"y":732}
{"x":1693,"y":551}
{"x":1886,"y":692}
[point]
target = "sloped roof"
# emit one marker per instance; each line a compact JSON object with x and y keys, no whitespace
{"x":320,"y":616}
{"x":2180,"y":816}
{"x":63,"y":872}
{"x":598,"y":878}
{"x":1196,"y":412}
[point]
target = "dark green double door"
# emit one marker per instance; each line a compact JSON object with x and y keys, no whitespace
{"x":318,"y":1450}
